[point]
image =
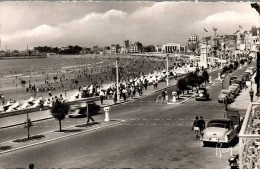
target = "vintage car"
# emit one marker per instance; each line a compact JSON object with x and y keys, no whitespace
{"x":231,"y":79}
{"x":234,"y":90}
{"x":219,"y":131}
{"x":80,"y":109}
{"x":222,"y":130}
{"x":202,"y":94}
{"x":225,"y":94}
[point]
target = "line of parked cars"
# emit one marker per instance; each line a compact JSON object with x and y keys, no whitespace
{"x":236,"y":85}
{"x":232,"y":92}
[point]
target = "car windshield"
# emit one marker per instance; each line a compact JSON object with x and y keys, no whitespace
{"x":219,"y":125}
{"x":225,"y":92}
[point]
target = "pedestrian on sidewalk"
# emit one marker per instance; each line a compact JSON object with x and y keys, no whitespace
{"x":251,"y":93}
{"x":221,"y":82}
{"x":163,"y":95}
{"x":101,"y":95}
{"x":195,"y":127}
{"x":89,"y":114}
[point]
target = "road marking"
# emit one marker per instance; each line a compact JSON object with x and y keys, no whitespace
{"x":156,"y":119}
{"x":168,"y":119}
{"x":144,"y":119}
{"x":180,"y":119}
{"x":140,"y":124}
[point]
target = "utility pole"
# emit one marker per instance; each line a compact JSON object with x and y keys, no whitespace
{"x":117,"y":80}
{"x":167,"y":69}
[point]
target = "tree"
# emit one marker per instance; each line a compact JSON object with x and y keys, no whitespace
{"x":192,"y":79}
{"x":236,"y":64}
{"x":205,"y":76}
{"x":225,"y":69}
{"x":59,"y":111}
{"x":182,"y":85}
{"x":231,"y":66}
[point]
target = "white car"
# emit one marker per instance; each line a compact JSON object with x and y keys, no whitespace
{"x":219,"y":131}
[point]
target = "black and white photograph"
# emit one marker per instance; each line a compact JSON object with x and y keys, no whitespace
{"x":134,"y":84}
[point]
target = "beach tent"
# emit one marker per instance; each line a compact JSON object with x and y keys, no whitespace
{"x":7,"y":104}
{"x":15,"y":105}
{"x":9,"y":109}
{"x":25,"y":105}
{"x":1,"y":109}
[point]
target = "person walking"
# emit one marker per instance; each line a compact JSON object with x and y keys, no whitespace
{"x":201,"y":124}
{"x":251,"y":93}
{"x":163,"y":95}
{"x":221,"y":82}
{"x":195,"y":127}
{"x":89,"y":115}
{"x":101,"y":95}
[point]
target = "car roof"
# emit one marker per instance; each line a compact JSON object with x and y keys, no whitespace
{"x":219,"y":120}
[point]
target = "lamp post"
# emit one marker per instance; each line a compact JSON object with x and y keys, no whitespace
{"x":117,"y":79}
{"x":167,"y":69}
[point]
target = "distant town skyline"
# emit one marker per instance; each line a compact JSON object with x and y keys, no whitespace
{"x":104,"y":23}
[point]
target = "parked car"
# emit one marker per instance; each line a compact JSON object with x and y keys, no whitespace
{"x":222,"y":130}
{"x":202,"y":94}
{"x":237,"y":86}
{"x":234,"y":90}
{"x":231,"y":79}
{"x":80,"y":109}
{"x":225,"y":94}
{"x":238,"y":82}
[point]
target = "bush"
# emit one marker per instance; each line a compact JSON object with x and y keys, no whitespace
{"x":30,"y":138}
{"x":225,"y":69}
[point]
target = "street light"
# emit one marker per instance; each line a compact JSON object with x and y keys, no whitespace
{"x":167,"y":69}
{"x":117,"y":79}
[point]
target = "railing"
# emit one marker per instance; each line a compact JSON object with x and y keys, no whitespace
{"x":249,"y":139}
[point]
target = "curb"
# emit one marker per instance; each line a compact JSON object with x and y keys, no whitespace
{"x":58,"y":138}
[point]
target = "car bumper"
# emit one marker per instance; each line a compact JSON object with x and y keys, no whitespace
{"x":214,"y":140}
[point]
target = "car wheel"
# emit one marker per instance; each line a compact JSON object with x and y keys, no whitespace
{"x":205,"y":143}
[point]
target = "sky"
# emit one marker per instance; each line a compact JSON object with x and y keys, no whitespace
{"x":104,"y":23}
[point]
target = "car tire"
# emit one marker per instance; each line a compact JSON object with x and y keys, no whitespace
{"x":205,"y":143}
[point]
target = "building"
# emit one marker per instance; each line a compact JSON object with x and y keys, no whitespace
{"x":158,"y":49}
{"x":97,"y":50}
{"x":115,"y":48}
{"x":107,"y":50}
{"x":85,"y":51}
{"x":135,"y":47}
{"x":193,"y":43}
{"x":126,"y":46}
{"x":171,"y":48}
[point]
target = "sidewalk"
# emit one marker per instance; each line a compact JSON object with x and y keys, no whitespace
{"x":243,"y":100}
{"x":10,"y":146}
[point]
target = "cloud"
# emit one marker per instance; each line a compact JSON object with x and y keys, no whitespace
{"x":156,"y":23}
{"x":229,"y":20}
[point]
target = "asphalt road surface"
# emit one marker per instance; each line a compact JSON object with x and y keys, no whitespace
{"x":153,"y":136}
